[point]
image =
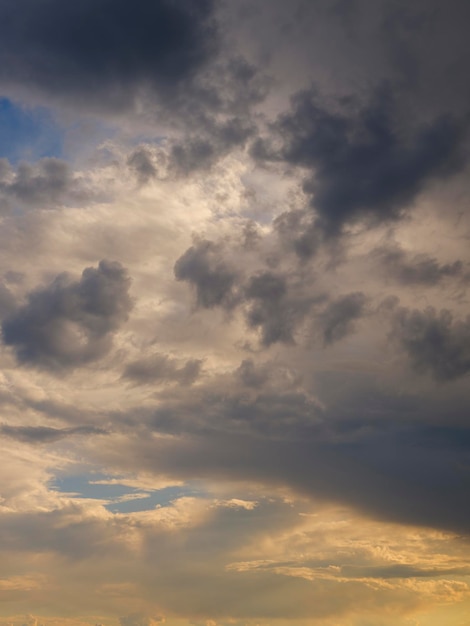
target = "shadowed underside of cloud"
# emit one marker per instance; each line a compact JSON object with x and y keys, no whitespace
{"x":360,"y":162}
{"x":104,"y":51}
{"x":68,"y":323}
{"x":280,"y":436}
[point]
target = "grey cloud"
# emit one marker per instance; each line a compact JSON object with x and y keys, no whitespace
{"x":203,"y":266}
{"x":271,"y":310}
{"x":360,"y":162}
{"x":43,"y":434}
{"x":415,"y":269}
{"x":298,"y":231}
{"x":251,"y":375}
{"x":337,"y":321}
{"x":70,"y":323}
{"x":41,"y":184}
{"x":347,"y":453}
{"x":199,"y":153}
{"x":7,"y":301}
{"x":435,"y":342}
{"x":273,"y":304}
{"x":105,"y":51}
{"x":161,"y":368}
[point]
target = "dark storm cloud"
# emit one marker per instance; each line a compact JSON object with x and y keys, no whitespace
{"x":162,"y":368}
{"x":337,"y":320}
{"x":360,"y":163}
{"x":204,"y":267}
{"x":43,"y":434}
{"x":435,"y":342}
{"x":415,"y":269}
{"x":103,"y":51}
{"x":70,"y":323}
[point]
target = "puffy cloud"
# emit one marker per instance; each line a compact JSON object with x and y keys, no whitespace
{"x":70,"y":323}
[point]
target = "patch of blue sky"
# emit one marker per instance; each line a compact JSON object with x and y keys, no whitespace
{"x":121,"y":498}
{"x":28,"y":133}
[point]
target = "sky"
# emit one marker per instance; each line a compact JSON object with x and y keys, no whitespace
{"x":234,"y":304}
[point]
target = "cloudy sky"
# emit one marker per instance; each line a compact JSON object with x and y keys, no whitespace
{"x":234,"y":302}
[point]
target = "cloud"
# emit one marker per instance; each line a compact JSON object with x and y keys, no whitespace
{"x":68,"y":323}
{"x":360,"y":163}
{"x":275,"y":308}
{"x":337,"y":320}
{"x":141,"y":161}
{"x":105,"y":52}
{"x":44,"y":434}
{"x":42,"y":184}
{"x":199,"y":153}
{"x":407,"y":268}
{"x":435,"y":342}
{"x":204,"y":267}
{"x":162,"y":368}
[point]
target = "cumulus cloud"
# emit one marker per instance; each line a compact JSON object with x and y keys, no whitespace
{"x":70,"y":323}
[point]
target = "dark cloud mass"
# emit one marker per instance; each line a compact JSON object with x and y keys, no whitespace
{"x":70,"y":323}
{"x":104,"y":51}
{"x":359,"y":162}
